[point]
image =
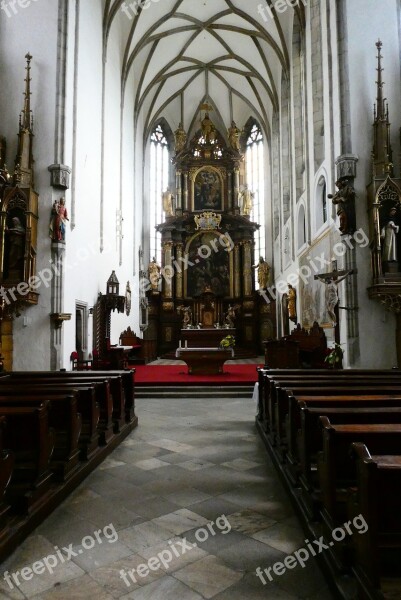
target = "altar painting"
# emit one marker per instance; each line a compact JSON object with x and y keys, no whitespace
{"x":207,"y":274}
{"x":208,"y":191}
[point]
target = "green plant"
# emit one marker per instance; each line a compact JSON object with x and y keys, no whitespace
{"x":228,"y":342}
{"x":336,"y":356}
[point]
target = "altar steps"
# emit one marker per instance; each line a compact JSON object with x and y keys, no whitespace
{"x":197,"y":391}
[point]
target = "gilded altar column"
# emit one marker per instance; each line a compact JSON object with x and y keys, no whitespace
{"x":186,"y":206}
{"x":178,"y":276}
{"x":236,"y":190}
{"x":178,"y":187}
{"x":168,"y":270}
{"x":247,"y":272}
{"x":230,"y":191}
{"x":237,"y":271}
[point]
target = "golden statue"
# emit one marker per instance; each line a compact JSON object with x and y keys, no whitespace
{"x":263,"y":273}
{"x":167,"y":199}
{"x":233,"y":136}
{"x":208,"y":129}
{"x":246,"y":201}
{"x":292,"y":303}
{"x":180,"y":138}
{"x":154,"y":275}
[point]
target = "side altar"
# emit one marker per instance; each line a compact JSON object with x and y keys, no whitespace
{"x":204,"y":288}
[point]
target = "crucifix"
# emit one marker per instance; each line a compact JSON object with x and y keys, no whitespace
{"x":331,"y":281}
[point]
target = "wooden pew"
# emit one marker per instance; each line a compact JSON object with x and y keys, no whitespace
{"x":127,"y":382}
{"x":31,"y":440}
{"x":267,"y":379}
{"x":7,"y":460}
{"x":335,"y":403}
{"x":367,"y":410}
{"x":64,"y":418}
{"x":101,"y":391}
{"x":87,"y":407}
{"x":335,"y":469}
{"x":353,"y":386}
{"x":377,"y":498}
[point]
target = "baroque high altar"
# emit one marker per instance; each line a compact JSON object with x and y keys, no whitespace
{"x":208,"y":247}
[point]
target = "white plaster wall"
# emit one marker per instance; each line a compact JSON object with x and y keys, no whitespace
{"x":89,"y":277}
{"x":87,"y":267}
{"x":32,"y":29}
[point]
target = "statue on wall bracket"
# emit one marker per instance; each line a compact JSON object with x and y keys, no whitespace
{"x":344,"y":201}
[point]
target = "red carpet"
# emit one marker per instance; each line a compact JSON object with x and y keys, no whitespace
{"x":178,"y":375}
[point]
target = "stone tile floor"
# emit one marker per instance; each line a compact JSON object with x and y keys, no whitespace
{"x":192,"y":488}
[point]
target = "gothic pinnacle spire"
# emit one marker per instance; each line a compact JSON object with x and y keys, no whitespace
{"x":26,"y":114}
{"x":382,"y":153}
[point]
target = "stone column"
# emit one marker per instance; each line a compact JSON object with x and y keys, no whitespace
{"x":237,"y":271}
{"x":247,"y":271}
{"x":186,"y":198}
{"x":57,"y":301}
{"x":236,"y":191}
{"x":179,"y":272}
{"x":230,"y":192}
{"x":178,"y":187}
{"x":168,"y":270}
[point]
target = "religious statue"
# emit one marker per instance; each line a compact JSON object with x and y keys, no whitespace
{"x":16,"y":237}
{"x":180,"y":138}
{"x":292,"y":303}
{"x":186,"y":313}
{"x":233,"y":136}
{"x":263,"y":273}
{"x":246,"y":201}
{"x":388,"y":236}
{"x":58,"y":221}
{"x":208,"y":129}
{"x":154,"y":274}
{"x":167,"y":199}
{"x":331,"y":294}
{"x":231,"y":315}
{"x":344,"y":200}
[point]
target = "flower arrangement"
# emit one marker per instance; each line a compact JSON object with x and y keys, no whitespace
{"x":227,"y":342}
{"x":335,"y":358}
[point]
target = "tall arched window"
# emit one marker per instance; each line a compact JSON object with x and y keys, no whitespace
{"x":255,"y":178}
{"x":159,"y":180}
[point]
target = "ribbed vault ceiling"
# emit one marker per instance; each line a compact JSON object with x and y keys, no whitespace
{"x":182,"y":52}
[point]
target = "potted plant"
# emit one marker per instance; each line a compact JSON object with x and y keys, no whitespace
{"x":335,"y":358}
{"x":227,"y":342}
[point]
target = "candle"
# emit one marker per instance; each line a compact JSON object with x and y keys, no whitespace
{"x":186,"y":343}
{"x":179,"y":344}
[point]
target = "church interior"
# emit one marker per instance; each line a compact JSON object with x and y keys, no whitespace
{"x":200,"y":299}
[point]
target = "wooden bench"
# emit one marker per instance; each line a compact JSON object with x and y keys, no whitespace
{"x":101,"y":391}
{"x":377,"y":498}
{"x":335,"y":469}
{"x":127,"y":382}
{"x":63,"y":418}
{"x":7,"y":460}
{"x":87,"y":407}
{"x":31,"y":440}
{"x":367,"y":410}
{"x":282,"y":390}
